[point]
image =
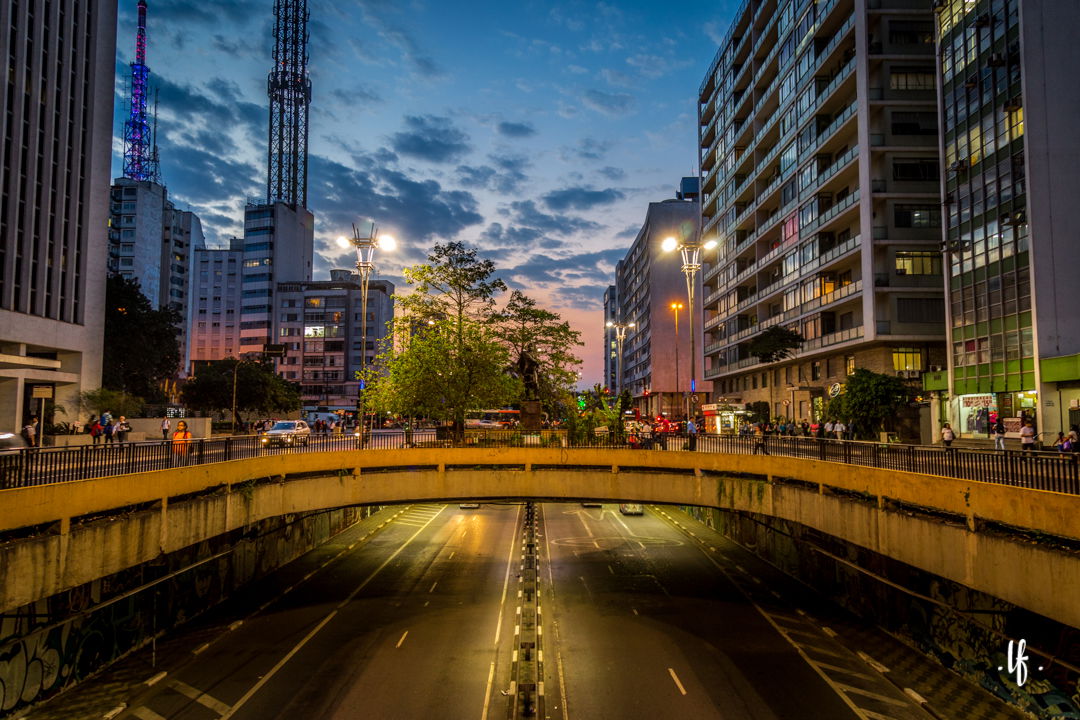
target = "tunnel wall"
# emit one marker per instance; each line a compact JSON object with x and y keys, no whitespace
{"x":55,"y":642}
{"x":924,"y":614}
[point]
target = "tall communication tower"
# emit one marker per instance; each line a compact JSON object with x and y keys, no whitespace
{"x":290,"y":94}
{"x":140,"y":162}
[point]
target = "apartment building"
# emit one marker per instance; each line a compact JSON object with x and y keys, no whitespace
{"x":55,"y":143}
{"x":819,"y":178}
{"x":656,"y":352}
{"x":320,"y":324}
{"x":1009,"y":101}
{"x":214,"y":312}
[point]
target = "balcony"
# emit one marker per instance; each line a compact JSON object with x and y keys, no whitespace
{"x":835,"y":338}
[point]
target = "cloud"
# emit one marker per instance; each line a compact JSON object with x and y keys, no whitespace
{"x":580,"y":278}
{"x":528,"y":226}
{"x":653,"y":66}
{"x":579,"y":198}
{"x":377,"y":15}
{"x":616,"y":78}
{"x":587,"y":149}
{"x":608,"y":103}
{"x":431,"y":138}
{"x":629,"y":232}
{"x":505,"y":175}
{"x":516,"y":130}
{"x":613,"y":173}
{"x":357,"y":96}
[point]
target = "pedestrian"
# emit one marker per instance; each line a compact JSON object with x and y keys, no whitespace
{"x":106,"y":418}
{"x":30,"y":432}
{"x":96,"y":432}
{"x":947,"y":435}
{"x":830,"y":429}
{"x":691,"y":434}
{"x":759,"y":441}
{"x":1062,"y":443}
{"x":165,"y":427}
{"x":999,"y":434}
{"x":122,"y":429}
{"x":108,"y":430}
{"x":1074,"y":438}
{"x":181,"y":443}
{"x":839,"y":428}
{"x":1027,"y":437}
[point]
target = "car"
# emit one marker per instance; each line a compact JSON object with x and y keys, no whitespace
{"x":631,"y":509}
{"x":592,"y":504}
{"x":11,"y":441}
{"x":468,"y":506}
{"x":286,"y":433}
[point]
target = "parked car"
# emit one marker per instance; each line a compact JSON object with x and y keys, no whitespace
{"x":468,"y":506}
{"x":286,"y":433}
{"x":631,"y":509}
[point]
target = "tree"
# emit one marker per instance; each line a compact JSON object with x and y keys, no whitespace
{"x":870,"y":401}
{"x":259,"y":389}
{"x":541,"y":348}
{"x":116,"y":402}
{"x":775,"y":343}
{"x":142,"y":346}
{"x":445,"y":369}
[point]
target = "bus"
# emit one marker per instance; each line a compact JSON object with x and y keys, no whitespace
{"x":491,"y":419}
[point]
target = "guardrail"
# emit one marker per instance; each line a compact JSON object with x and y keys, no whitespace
{"x":1052,"y":471}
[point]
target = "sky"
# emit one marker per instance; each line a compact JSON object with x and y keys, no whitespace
{"x":535,"y":132}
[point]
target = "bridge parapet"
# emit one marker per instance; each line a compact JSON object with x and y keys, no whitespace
{"x":983,"y":535}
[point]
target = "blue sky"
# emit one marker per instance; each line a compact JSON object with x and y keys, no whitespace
{"x":536,"y":132}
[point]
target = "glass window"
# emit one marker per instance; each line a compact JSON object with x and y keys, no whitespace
{"x":815,"y":370}
{"x":849,"y":364}
{"x":911,"y":78}
{"x":918,"y":263}
{"x":917,"y":216}
{"x":907,"y":358}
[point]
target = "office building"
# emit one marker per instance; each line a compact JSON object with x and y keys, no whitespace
{"x":55,"y":146}
{"x":611,"y":343}
{"x":1009,"y":103}
{"x":214,"y":311}
{"x":320,"y":324}
{"x":656,"y":352}
{"x":819,"y":167}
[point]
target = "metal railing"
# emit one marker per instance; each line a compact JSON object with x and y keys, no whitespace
{"x":1040,"y":470}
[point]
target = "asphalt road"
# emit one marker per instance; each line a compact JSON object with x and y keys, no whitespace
{"x":417,"y":619}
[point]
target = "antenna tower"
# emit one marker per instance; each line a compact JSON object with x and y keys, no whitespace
{"x":139,"y":161}
{"x":289,"y":89}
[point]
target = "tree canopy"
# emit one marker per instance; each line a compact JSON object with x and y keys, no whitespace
{"x":775,"y":343}
{"x":869,"y":402}
{"x":259,"y":389}
{"x":541,"y":346}
{"x":142,"y":346}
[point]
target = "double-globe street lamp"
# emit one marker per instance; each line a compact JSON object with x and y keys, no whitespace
{"x":365,"y":253}
{"x":620,"y":337}
{"x":676,"y":307}
{"x":691,"y":263}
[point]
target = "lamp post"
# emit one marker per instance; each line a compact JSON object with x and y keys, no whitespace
{"x":620,"y":336}
{"x":691,"y":263}
{"x":677,"y":306}
{"x":365,"y":253}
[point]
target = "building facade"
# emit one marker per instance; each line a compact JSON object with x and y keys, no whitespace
{"x":819,"y":178}
{"x":214,"y":311}
{"x":656,"y":353}
{"x":55,"y":147}
{"x":1008,"y":106}
{"x":320,"y":324}
{"x":611,"y":343}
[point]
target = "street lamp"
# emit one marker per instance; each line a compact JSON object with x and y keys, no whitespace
{"x":691,"y":263}
{"x":677,"y":306}
{"x":620,"y":336}
{"x":365,"y":253}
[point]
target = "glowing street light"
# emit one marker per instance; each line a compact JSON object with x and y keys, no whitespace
{"x":620,"y":336}
{"x":691,"y":263}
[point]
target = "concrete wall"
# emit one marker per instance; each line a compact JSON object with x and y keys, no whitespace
{"x":960,"y":530}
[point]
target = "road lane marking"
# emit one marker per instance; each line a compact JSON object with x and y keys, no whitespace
{"x":487,"y":693}
{"x":307,"y":638}
{"x":676,"y":679}
{"x":551,"y":585}
{"x":451,"y":555}
{"x":142,"y":712}
{"x":402,"y":639}
{"x":156,"y":679}
{"x":199,"y":696}
{"x":433,"y":587}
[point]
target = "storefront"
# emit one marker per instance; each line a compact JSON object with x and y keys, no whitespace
{"x":722,"y":418}
{"x":974,"y":416}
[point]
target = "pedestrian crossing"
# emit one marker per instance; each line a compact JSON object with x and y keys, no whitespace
{"x":418,"y":515}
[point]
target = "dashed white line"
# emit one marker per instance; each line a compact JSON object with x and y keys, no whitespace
{"x":200,"y":697}
{"x":678,"y":684}
{"x":402,"y":639}
{"x":156,"y":679}
{"x":433,"y":587}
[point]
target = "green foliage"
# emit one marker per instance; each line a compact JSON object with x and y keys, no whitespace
{"x":758,"y":412}
{"x":454,"y":284}
{"x":445,"y":370}
{"x":116,"y":402}
{"x":142,"y":346}
{"x":259,"y":389}
{"x":541,"y":348}
{"x":869,"y":402}
{"x":775,"y":343}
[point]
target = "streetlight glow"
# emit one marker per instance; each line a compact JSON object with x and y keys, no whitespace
{"x":344,"y":242}
{"x":710,"y":244}
{"x":669,"y":244}
{"x":387,"y":242}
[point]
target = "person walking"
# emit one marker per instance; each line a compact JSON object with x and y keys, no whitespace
{"x":30,"y":432}
{"x":839,"y":428}
{"x":947,"y":435}
{"x":165,"y":427}
{"x":998,"y":432}
{"x":108,"y":430}
{"x":830,"y":429}
{"x":691,"y":434}
{"x":1074,"y":438}
{"x":759,"y":440}
{"x":122,"y":429}
{"x":1027,"y":437}
{"x":181,"y":443}
{"x":96,"y":432}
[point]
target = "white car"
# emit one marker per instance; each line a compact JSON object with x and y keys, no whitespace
{"x":286,"y":433}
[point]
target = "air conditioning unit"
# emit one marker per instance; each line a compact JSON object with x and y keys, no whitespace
{"x":909,"y":373}
{"x":935,"y":368}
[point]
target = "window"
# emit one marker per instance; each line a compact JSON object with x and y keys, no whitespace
{"x":911,"y":78}
{"x":911,"y":32}
{"x":849,"y":364}
{"x":918,"y":263}
{"x":907,"y":358}
{"x":917,"y":216}
{"x":815,"y":370}
{"x":915,"y":169}
{"x":920,"y":310}
{"x":914,"y":123}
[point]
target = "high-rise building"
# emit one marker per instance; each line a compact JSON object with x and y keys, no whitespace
{"x":214,"y":311}
{"x":1009,"y":104}
{"x":656,"y":352}
{"x":819,"y":167}
{"x":55,"y":146}
{"x":321,"y":327}
{"x":611,"y":343}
